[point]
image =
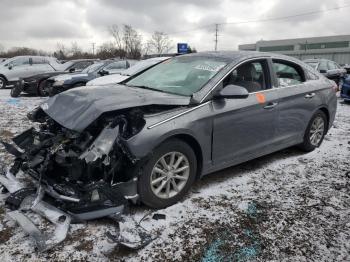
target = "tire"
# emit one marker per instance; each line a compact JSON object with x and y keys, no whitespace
{"x":42,"y":91}
{"x":147,"y":174}
{"x":16,"y":91}
{"x":2,"y":83}
{"x":309,"y":144}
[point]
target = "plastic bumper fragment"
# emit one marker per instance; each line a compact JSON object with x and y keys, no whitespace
{"x":60,"y":219}
{"x":10,"y":182}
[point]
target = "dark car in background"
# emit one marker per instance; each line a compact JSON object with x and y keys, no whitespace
{"x":64,"y":82}
{"x":35,"y":84}
{"x":328,"y":68}
{"x":345,"y":89}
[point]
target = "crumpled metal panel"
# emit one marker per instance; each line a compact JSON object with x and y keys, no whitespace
{"x":102,"y":145}
{"x":82,"y":106}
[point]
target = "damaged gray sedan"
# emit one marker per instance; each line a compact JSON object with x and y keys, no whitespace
{"x":148,"y":139}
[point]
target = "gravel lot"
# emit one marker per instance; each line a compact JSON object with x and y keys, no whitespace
{"x":288,"y":206}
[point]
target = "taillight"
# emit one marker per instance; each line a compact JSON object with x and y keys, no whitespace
{"x":335,"y":87}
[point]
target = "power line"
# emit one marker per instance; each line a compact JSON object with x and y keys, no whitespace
{"x":263,"y":20}
{"x":216,"y":36}
{"x":287,"y":17}
{"x":93,"y":48}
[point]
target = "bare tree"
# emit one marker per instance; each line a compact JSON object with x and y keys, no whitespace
{"x":132,"y":42}
{"x":160,"y":43}
{"x":75,"y":50}
{"x":2,"y":49}
{"x":61,"y":51}
{"x":117,"y":35}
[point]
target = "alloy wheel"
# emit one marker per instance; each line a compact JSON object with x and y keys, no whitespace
{"x":170,"y":175}
{"x":317,"y":131}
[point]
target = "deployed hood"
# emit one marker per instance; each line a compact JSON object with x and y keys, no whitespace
{"x":68,"y":76}
{"x":77,"y":108}
{"x":107,"y":80}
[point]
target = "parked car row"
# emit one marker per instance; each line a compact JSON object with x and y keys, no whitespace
{"x":35,"y":84}
{"x":12,"y":69}
{"x":77,"y":73}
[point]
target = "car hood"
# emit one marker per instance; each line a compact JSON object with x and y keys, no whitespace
{"x":107,"y":80}
{"x":84,"y":105}
{"x":69,"y":76}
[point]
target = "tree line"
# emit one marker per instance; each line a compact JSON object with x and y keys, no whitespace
{"x":127,"y":43}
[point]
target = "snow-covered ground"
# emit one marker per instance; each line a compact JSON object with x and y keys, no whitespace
{"x":288,"y":206}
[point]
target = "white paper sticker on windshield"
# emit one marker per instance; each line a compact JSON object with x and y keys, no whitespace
{"x":209,"y":68}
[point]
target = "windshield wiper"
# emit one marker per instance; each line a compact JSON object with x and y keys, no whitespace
{"x":148,"y":88}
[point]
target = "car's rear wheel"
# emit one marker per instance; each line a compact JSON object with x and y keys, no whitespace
{"x":168,"y":175}
{"x":2,"y":82}
{"x":315,"y":132}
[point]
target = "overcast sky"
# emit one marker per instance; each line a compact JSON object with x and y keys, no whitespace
{"x":42,"y":23}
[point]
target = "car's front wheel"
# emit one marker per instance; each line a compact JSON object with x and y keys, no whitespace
{"x":315,"y":132}
{"x":2,"y":82}
{"x":42,"y":90}
{"x":168,"y":175}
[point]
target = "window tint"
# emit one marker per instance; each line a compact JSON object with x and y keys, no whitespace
{"x":332,"y":65}
{"x":20,"y":61}
{"x":250,"y":76}
{"x":39,"y":60}
{"x":287,"y":74}
{"x":323,"y":66}
{"x":81,"y":65}
{"x":116,"y":65}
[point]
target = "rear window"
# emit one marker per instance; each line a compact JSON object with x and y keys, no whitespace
{"x":287,"y":74}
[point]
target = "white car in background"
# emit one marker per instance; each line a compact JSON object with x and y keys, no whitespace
{"x":12,"y":69}
{"x":136,"y":68}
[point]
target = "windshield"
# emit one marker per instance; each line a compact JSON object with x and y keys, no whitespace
{"x":139,"y":66}
{"x":93,"y":68}
{"x":313,"y":64}
{"x":181,"y":75}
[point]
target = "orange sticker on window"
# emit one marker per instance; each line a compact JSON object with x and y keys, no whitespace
{"x":261,"y":98}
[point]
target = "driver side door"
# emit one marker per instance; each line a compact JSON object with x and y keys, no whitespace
{"x":244,"y":129}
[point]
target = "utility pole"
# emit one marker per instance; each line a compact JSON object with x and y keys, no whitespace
{"x":93,"y":48}
{"x":216,"y":36}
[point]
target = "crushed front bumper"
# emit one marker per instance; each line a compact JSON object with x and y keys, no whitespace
{"x":34,"y":203}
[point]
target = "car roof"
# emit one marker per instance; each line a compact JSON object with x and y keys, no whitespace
{"x":236,"y":56}
{"x":316,"y":60}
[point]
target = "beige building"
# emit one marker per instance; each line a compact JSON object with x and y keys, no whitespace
{"x":336,"y":48}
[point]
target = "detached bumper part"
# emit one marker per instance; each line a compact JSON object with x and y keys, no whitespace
{"x":10,"y":182}
{"x":60,"y":219}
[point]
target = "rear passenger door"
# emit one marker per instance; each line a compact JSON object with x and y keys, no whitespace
{"x":298,"y":99}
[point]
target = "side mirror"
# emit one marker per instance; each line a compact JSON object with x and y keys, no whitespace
{"x":72,"y":70}
{"x":232,"y":91}
{"x":10,"y":66}
{"x":103,"y":72}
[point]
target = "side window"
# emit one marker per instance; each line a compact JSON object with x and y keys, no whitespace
{"x":332,"y":65}
{"x":288,"y":74}
{"x":323,"y":66}
{"x":39,"y":60}
{"x":116,"y":65}
{"x":81,"y":65}
{"x":251,"y":76}
{"x":20,"y":61}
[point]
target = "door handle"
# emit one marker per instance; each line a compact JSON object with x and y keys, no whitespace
{"x":270,"y":105}
{"x":310,"y":95}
